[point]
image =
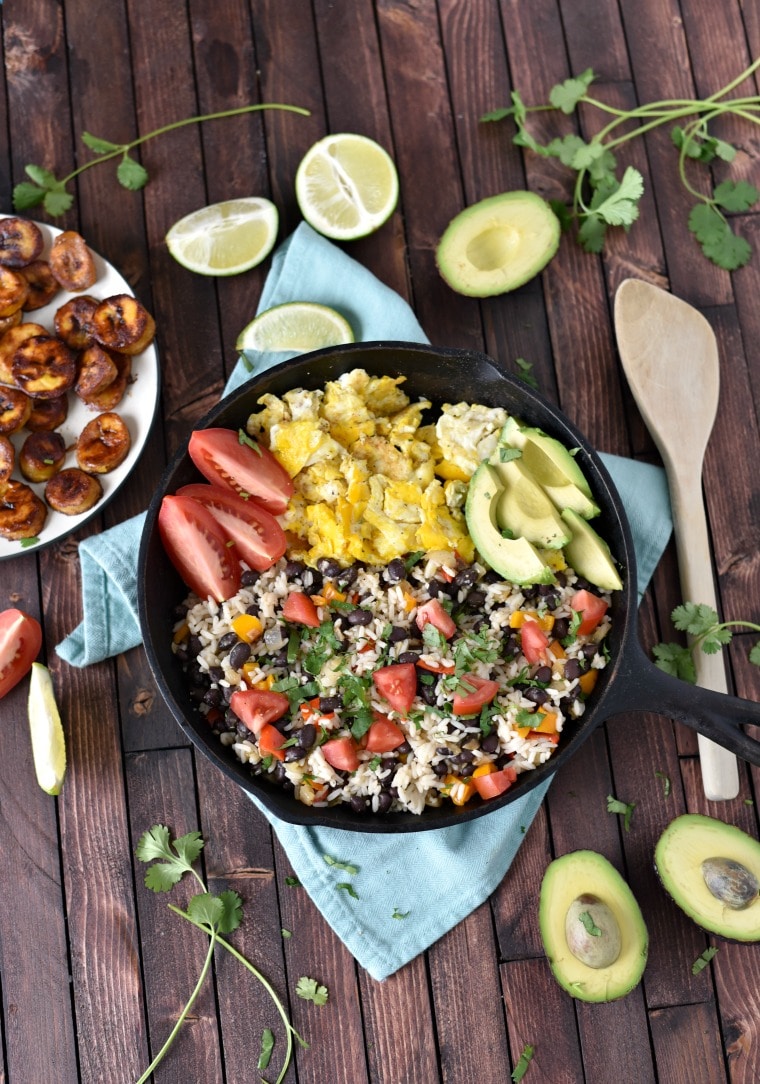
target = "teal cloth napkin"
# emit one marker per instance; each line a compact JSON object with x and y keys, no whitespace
{"x":410,"y":888}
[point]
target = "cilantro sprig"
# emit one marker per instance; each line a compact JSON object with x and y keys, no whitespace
{"x":171,"y":860}
{"x":44,"y":187}
{"x":602,"y":198}
{"x":708,"y":633}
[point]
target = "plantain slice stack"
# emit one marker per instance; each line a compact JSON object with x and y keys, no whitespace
{"x":96,"y":371}
{"x":109,"y":397}
{"x":22,"y":512}
{"x":44,"y":367}
{"x":48,"y":414}
{"x":103,"y":444}
{"x":9,"y":344}
{"x":15,"y":408}
{"x":72,"y":491}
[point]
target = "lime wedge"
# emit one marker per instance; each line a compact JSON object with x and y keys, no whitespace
{"x":346,"y":186}
{"x":298,"y":326}
{"x":225,"y":238}
{"x":48,"y":743}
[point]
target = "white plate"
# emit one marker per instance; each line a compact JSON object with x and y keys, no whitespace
{"x":137,"y":408}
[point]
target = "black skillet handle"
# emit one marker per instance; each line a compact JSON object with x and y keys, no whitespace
{"x":641,"y":686}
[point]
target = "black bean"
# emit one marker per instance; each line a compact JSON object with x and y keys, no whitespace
{"x":439,"y":587}
{"x":359,"y":617}
{"x":239,"y":655}
{"x":409,"y":656}
{"x":213,"y":697}
{"x":572,"y":669}
{"x":295,"y":752}
{"x":347,"y":576}
{"x":249,"y":577}
{"x":329,"y":567}
{"x":441,"y":768}
{"x":590,"y":651}
{"x":227,"y":692}
{"x":561,"y":628}
{"x":536,"y":696}
{"x":397,"y":634}
{"x":544,"y":674}
{"x":283,"y":725}
{"x":429,"y":693}
{"x":293,"y":569}
{"x":551,"y":601}
{"x":277,"y":774}
{"x":253,"y":610}
{"x":395,"y":571}
{"x":231,"y":718}
{"x":475,"y":600}
{"x":330,"y":703}
{"x":241,"y":729}
{"x":227,"y":642}
{"x":359,"y":804}
{"x":545,"y":589}
{"x":194,"y":645}
{"x":280,"y":660}
{"x":215,"y":673}
{"x":490,"y":743}
{"x":466,"y":578}
{"x":405,"y":747}
{"x":443,"y":751}
{"x":465,"y":757}
{"x":384,"y":802}
{"x":465,"y":770}
{"x":308,"y":736}
{"x":492,"y":577}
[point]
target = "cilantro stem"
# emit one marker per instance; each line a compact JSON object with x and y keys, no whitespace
{"x":290,"y":1031}
{"x":191,"y":1001}
{"x":124,"y":148}
{"x":737,"y":80}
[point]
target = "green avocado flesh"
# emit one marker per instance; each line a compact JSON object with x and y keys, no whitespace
{"x":553,"y":467}
{"x":498,"y":244}
{"x":589,"y":554}
{"x":524,"y":509}
{"x":591,"y":927}
{"x":516,"y":559}
{"x":712,"y":871}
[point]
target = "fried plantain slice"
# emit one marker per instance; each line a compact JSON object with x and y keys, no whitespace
{"x":72,"y":262}
{"x":44,"y":367}
{"x":10,"y":341}
{"x":123,"y":323}
{"x":111,"y":396}
{"x":47,"y":414}
{"x":15,"y":408}
{"x":21,"y":242}
{"x":72,"y":491}
{"x":22,"y":513}
{"x":7,"y":461}
{"x":7,"y":322}
{"x":73,"y":321}
{"x":103,"y":444}
{"x":41,"y":456}
{"x":97,"y":370}
{"x":14,"y":290}
{"x":43,"y":285}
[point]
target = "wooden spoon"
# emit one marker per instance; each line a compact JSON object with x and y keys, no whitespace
{"x":670,"y":356}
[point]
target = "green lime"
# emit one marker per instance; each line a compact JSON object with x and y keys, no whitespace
{"x":48,"y":743}
{"x":225,"y":238}
{"x":298,"y":326}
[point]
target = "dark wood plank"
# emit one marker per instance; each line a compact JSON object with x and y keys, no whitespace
{"x":687,"y":1046}
{"x":531,"y":998}
{"x":404,"y":1054}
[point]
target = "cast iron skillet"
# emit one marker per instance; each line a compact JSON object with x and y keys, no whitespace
{"x":630,"y":682}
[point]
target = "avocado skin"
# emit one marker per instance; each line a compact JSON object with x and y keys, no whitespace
{"x":567,"y":878}
{"x":683,"y":846}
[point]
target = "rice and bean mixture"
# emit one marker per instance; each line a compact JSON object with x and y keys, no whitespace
{"x":371,"y":618}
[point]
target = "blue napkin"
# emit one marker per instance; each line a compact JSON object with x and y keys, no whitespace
{"x":408,"y":890}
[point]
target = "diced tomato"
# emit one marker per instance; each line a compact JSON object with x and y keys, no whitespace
{"x":299,"y":607}
{"x":20,"y":643}
{"x":434,"y":612}
{"x":534,"y":641}
{"x":397,"y":684}
{"x":470,"y":701}
{"x":490,"y":786}
{"x":258,"y":537}
{"x":593,"y":609}
{"x":257,"y":707}
{"x":341,"y":753}
{"x":383,"y":735}
{"x":197,"y":547}
{"x":226,"y":460}
{"x":271,"y":742}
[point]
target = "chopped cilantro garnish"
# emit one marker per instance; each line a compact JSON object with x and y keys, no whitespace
{"x":589,"y":925}
{"x":702,"y":961}
{"x":347,"y":867}
{"x":349,"y":888}
{"x":624,"y":808}
{"x":243,"y":438}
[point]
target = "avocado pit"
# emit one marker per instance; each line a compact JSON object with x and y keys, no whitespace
{"x":592,"y":932}
{"x":730,"y":882}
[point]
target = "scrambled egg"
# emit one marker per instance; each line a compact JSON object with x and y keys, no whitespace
{"x":371,"y":481}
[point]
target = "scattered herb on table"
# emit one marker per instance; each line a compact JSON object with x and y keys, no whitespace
{"x":214,"y":914}
{"x":292,"y":882}
{"x":311,"y":990}
{"x":588,"y":924}
{"x":525,"y":372}
{"x":347,"y":867}
{"x":708,"y":634}
{"x":267,"y":1046}
{"x":286,"y":933}
{"x":665,"y":783}
{"x":399,"y":914}
{"x":602,"y":199}
{"x":44,"y":187}
{"x":702,"y":961}
{"x":625,"y":809}
{"x":347,"y":887}
{"x":523,"y":1062}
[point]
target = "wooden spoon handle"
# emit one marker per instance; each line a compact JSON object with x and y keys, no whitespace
{"x":720,"y":773}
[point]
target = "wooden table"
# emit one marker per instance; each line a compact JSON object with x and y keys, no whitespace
{"x":94,"y":969}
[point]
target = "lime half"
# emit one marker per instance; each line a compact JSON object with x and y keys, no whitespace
{"x":298,"y":326}
{"x":48,"y":743}
{"x":346,"y":186}
{"x":225,"y":238}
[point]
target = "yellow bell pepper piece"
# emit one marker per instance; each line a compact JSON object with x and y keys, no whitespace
{"x":181,"y":634}
{"x":587,"y":681}
{"x":248,"y":627}
{"x":484,"y":769}
{"x":459,"y":790}
{"x":518,"y":618}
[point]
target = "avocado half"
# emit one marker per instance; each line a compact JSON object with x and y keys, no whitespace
{"x":712,"y":871}
{"x":498,"y":244}
{"x":592,"y":929}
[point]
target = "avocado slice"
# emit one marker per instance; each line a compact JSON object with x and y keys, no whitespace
{"x":524,"y":509}
{"x":592,"y":929}
{"x":589,"y":554}
{"x":712,"y":871}
{"x":498,"y":244}
{"x":552,"y":466}
{"x":516,"y":559}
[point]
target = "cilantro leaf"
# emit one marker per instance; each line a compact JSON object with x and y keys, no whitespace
{"x":754,"y":655}
{"x":736,"y":195}
{"x":525,"y":372}
{"x":310,"y":990}
{"x":26,"y":195}
{"x":100,"y":146}
{"x":620,"y":207}
{"x":676,"y":660}
{"x":171,"y":861}
{"x":57,"y":202}
{"x":665,"y":782}
{"x":729,"y":251}
{"x":592,"y":233}
{"x":205,"y":908}
{"x":566,"y":148}
{"x":497,"y":114}
{"x":267,"y":1046}
{"x":614,"y":805}
{"x":130,"y":174}
{"x":523,"y":1062}
{"x":565,"y":96}
{"x":400,"y":914}
{"x":346,"y":886}
{"x":702,"y":961}
{"x":347,"y":867}
{"x":694,"y":618}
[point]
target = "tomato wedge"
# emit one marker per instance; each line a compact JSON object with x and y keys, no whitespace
{"x":258,"y":537}
{"x":298,"y":607}
{"x":481,"y":691}
{"x":593,"y":609}
{"x":397,"y":684}
{"x":256,"y":707}
{"x":236,"y":463}
{"x":20,"y":643}
{"x":197,"y":547}
{"x":271,"y":742}
{"x":383,"y":735}
{"x":534,"y":641}
{"x":434,"y":612}
{"x":491,"y":786}
{"x":341,"y":753}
